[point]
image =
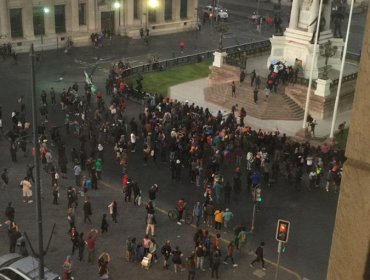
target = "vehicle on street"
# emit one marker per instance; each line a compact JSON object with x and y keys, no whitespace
{"x":215,"y":12}
{"x":16,"y":267}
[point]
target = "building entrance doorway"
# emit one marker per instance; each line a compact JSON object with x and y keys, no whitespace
{"x":107,"y":22}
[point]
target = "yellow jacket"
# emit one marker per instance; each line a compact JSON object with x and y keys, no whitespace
{"x":219,"y":216}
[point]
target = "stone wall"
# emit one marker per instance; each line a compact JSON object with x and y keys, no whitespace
{"x":349,"y":256}
{"x":323,"y":107}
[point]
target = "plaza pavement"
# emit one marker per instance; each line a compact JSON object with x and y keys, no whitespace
{"x":193,"y":92}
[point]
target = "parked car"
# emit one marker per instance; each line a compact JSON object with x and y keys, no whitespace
{"x":215,"y":12}
{"x":16,"y":267}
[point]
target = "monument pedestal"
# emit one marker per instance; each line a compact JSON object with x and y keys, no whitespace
{"x":323,"y":87}
{"x":303,"y":135}
{"x":219,"y":57}
{"x":295,"y":44}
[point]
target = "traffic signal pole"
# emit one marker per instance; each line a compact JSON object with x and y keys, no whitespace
{"x":278,"y":259}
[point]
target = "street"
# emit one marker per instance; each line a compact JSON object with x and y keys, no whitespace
{"x":311,"y":213}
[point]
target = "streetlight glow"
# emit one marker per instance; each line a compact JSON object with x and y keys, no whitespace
{"x":116,"y":5}
{"x":46,"y":10}
{"x":153,"y":4}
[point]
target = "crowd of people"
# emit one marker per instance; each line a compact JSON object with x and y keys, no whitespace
{"x":197,"y":148}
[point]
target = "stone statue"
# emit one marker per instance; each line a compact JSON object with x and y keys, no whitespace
{"x":306,"y":4}
{"x":321,"y":28}
{"x":337,"y":16}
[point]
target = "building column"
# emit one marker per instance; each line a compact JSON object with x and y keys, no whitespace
{"x":27,"y":20}
{"x":144,"y":13}
{"x":129,"y":12}
{"x":121,"y":16}
{"x":294,"y":14}
{"x":160,"y":11}
{"x":175,"y":9}
{"x":4,"y":19}
{"x":191,"y":9}
{"x":75,"y":25}
{"x":91,"y":15}
{"x":49,"y":19}
{"x":349,"y":255}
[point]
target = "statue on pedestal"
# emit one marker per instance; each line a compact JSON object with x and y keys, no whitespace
{"x":321,"y":28}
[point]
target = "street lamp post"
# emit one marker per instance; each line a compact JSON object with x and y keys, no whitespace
{"x":37,"y":167}
{"x":117,"y":6}
{"x":152,"y":4}
{"x":45,"y":11}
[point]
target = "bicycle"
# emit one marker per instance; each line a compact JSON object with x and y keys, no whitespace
{"x":174,"y":215}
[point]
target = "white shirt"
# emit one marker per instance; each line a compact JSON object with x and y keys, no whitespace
{"x":133,"y":138}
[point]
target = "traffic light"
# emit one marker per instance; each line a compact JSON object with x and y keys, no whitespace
{"x":282,"y":231}
{"x":258,"y":194}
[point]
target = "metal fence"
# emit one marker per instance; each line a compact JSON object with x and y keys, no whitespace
{"x":250,"y":48}
{"x":235,"y":56}
{"x":347,"y":78}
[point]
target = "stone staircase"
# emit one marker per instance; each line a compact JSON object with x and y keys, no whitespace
{"x":278,"y":107}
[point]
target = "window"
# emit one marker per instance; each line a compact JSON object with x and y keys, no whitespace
{"x":168,"y":10}
{"x":11,"y":274}
{"x":16,"y":28}
{"x":184,"y":9}
{"x":38,"y":21}
{"x":60,"y":19}
{"x":136,"y":9}
{"x":82,"y":14}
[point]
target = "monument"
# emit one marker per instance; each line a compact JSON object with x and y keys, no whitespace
{"x":296,"y":43}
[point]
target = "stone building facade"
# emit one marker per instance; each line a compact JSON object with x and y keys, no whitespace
{"x":49,"y":23}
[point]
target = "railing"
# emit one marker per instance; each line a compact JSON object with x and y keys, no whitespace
{"x":347,"y":78}
{"x":249,"y":48}
{"x":235,"y":56}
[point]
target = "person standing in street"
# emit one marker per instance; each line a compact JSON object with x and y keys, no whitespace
{"x":5,"y":176}
{"x":87,"y":210}
{"x":10,"y":212}
{"x":81,"y":246}
{"x":103,"y":262}
{"x":55,"y":194}
{"x":104,"y":224}
{"x":228,"y":215}
{"x":113,"y":210}
{"x":91,"y":238}
{"x":153,"y":193}
{"x":150,"y":224}
{"x":77,"y":172}
{"x":166,"y":252}
{"x":230,"y":252}
{"x":255,"y":95}
{"x":259,"y":258}
{"x":197,"y":213}
{"x":27,"y":190}
{"x":253,"y":77}
{"x":190,"y":262}
{"x":216,"y":260}
{"x":233,"y":89}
